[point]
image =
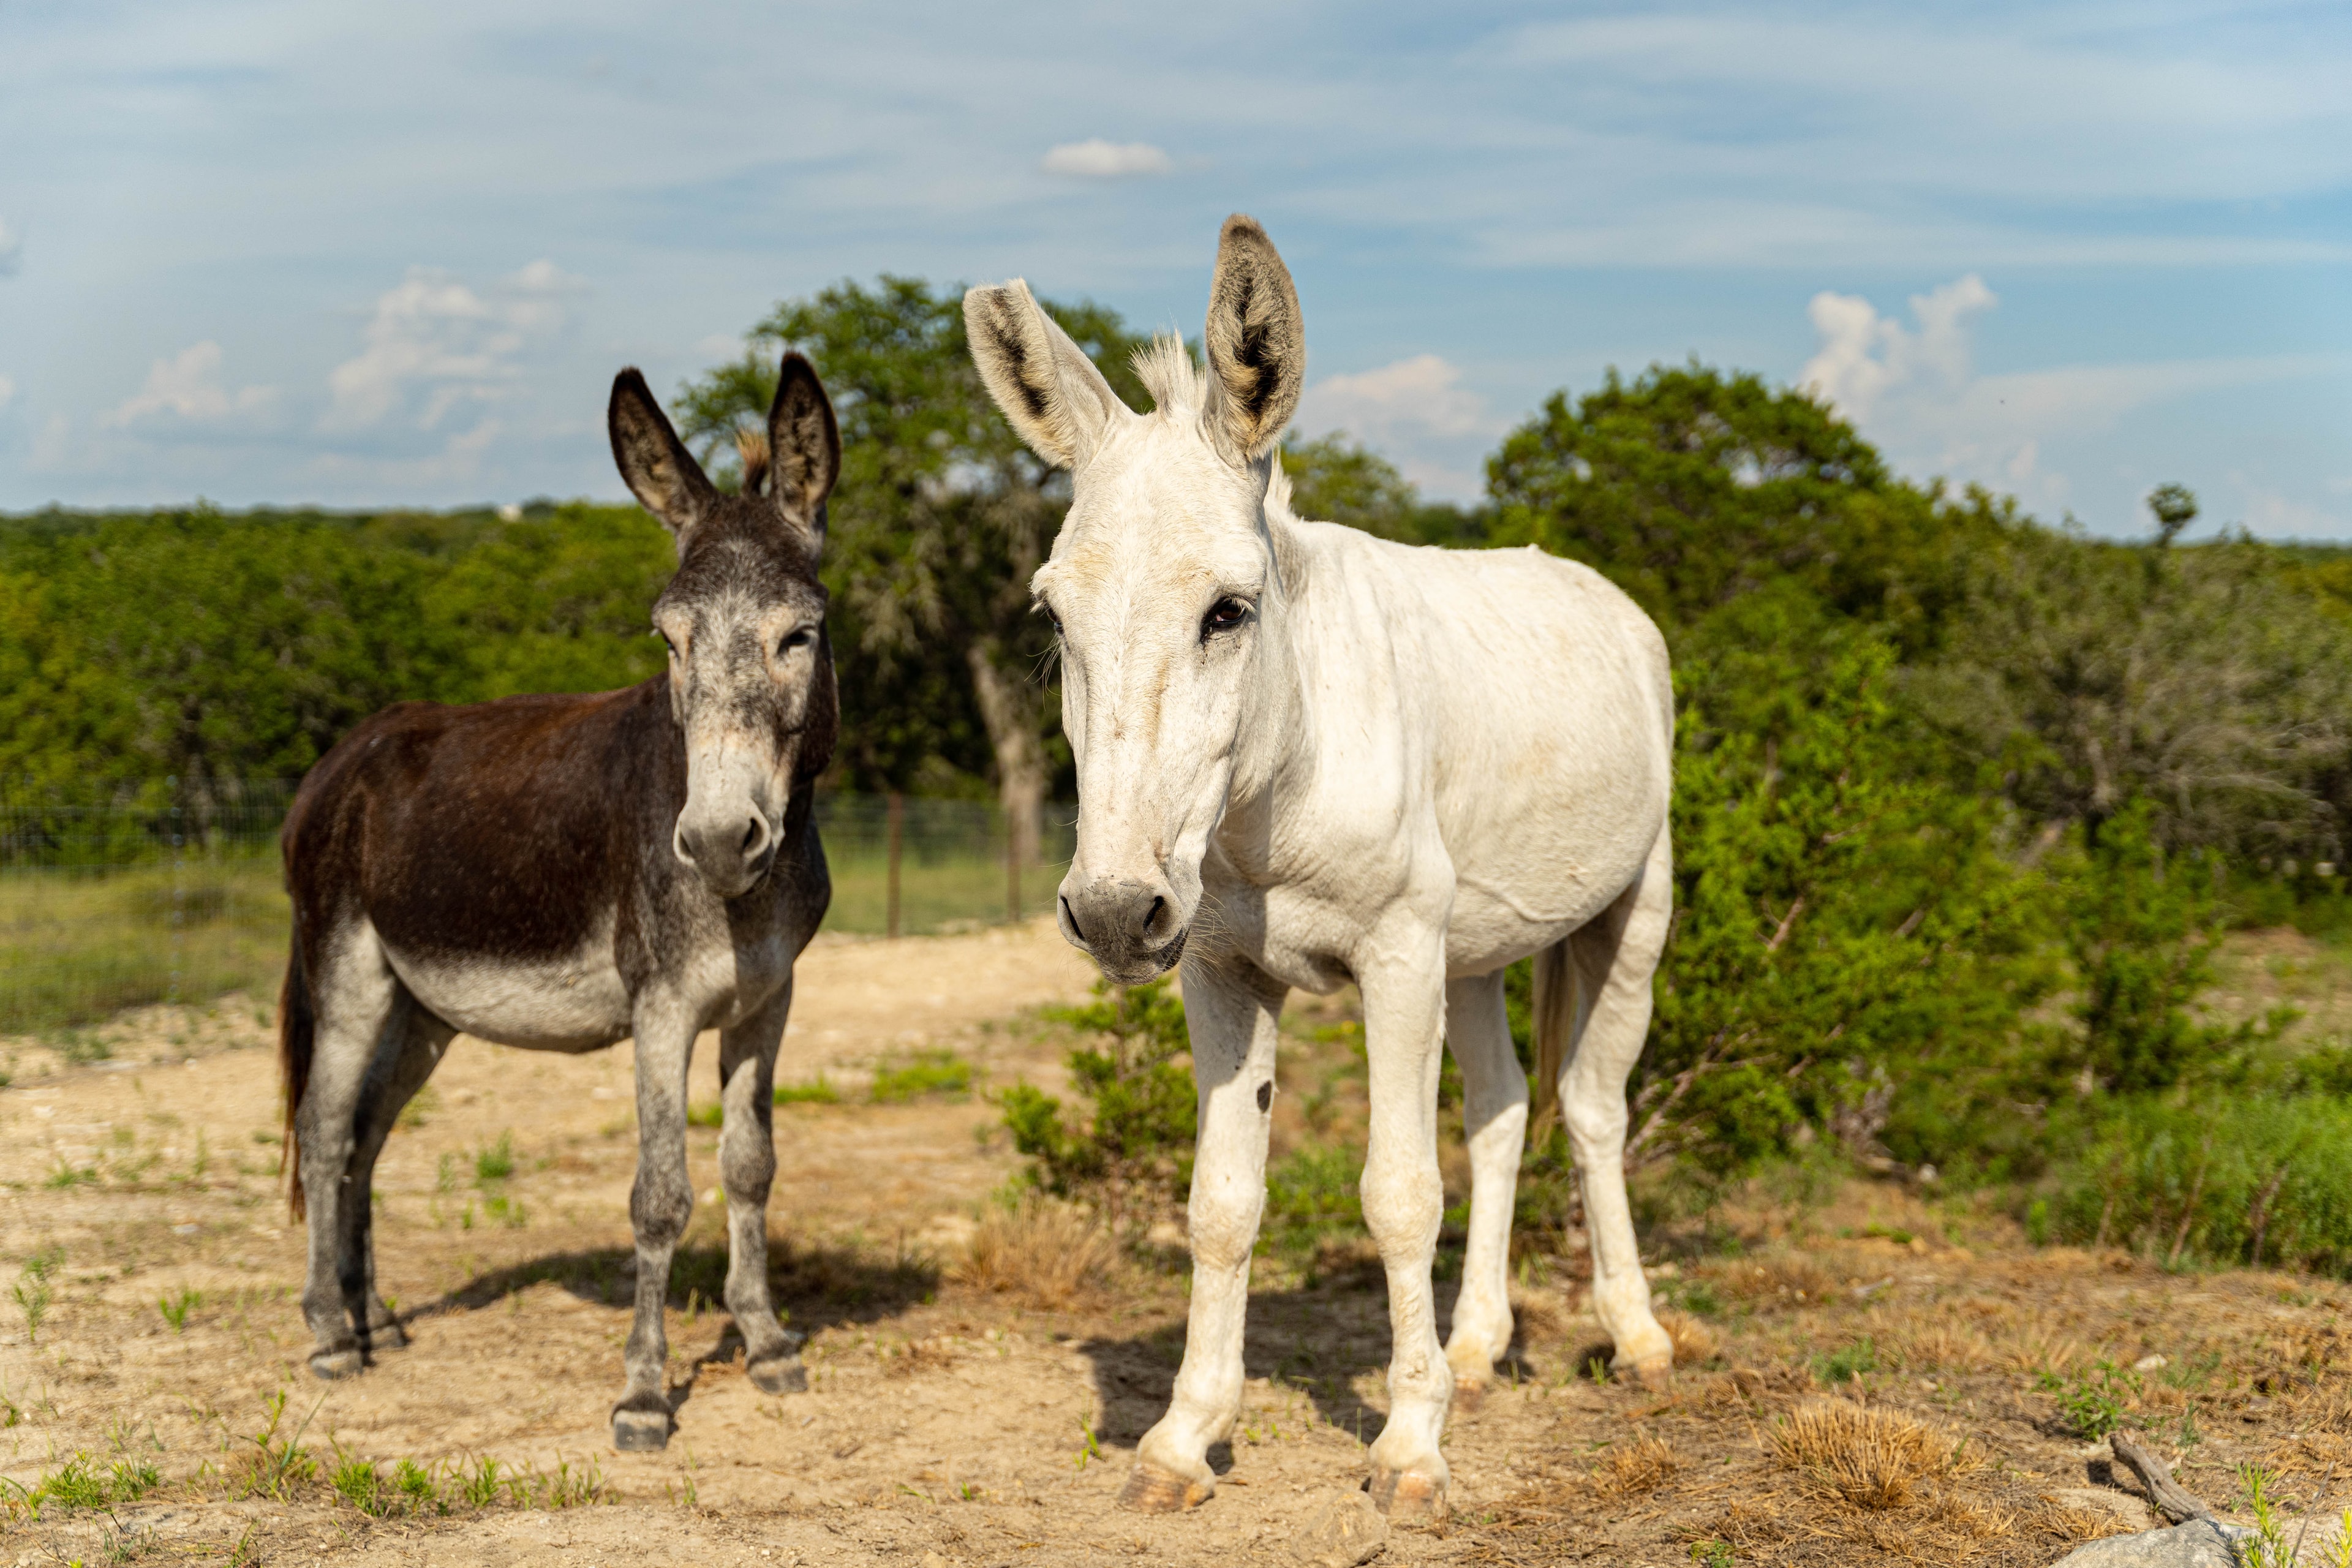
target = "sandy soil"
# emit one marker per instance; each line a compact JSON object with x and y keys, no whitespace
{"x":946,"y":1426}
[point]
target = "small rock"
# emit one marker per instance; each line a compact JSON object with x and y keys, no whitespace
{"x":1345,"y":1531}
{"x":2200,"y":1543}
{"x":2149,"y":1363}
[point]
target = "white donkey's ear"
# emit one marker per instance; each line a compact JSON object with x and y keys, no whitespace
{"x":1256,"y":344}
{"x":1057,"y":401}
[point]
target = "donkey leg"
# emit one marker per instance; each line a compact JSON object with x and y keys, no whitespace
{"x":352,"y":992}
{"x":660,"y":1203}
{"x":1494,"y":1116}
{"x":1615,"y":957}
{"x":1404,"y":1200}
{"x":747,"y":1167}
{"x":1233,"y":1015}
{"x":413,"y":1043}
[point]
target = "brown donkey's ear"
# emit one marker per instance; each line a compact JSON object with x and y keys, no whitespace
{"x":1256,"y":344}
{"x":659,"y":471}
{"x":804,"y":446}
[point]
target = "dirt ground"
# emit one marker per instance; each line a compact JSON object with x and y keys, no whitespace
{"x":946,"y":1424}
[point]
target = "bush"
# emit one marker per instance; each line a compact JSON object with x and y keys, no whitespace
{"x":2141,"y":927}
{"x":2231,"y":1177}
{"x":1132,"y":1149}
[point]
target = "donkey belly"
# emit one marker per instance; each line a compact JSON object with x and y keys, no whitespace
{"x":574,"y":1003}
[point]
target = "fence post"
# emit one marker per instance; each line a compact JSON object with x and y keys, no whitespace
{"x":1012,"y":872}
{"x":898,"y":817}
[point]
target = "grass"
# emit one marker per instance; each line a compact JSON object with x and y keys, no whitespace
{"x":815,"y":1092}
{"x":928,"y":1075}
{"x":175,"y":1306}
{"x":1872,"y":1459}
{"x":2227,"y":1176}
{"x":1041,"y":1252}
{"x":74,"y":948}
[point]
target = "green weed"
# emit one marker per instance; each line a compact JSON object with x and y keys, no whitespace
{"x":360,"y":1487}
{"x":34,"y":1290}
{"x":175,"y":1306}
{"x":930,"y":1074}
{"x":497,"y":1162}
{"x":816,"y":1091}
{"x":1846,"y":1364}
{"x":2091,"y":1404}
{"x":710,"y":1113}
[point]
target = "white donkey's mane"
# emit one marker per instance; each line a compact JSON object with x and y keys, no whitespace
{"x":1172,"y":376}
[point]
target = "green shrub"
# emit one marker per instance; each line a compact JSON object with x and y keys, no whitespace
{"x":2226,"y":1176}
{"x":2141,"y":927}
{"x":1131,"y":1148}
{"x":1312,"y":1196}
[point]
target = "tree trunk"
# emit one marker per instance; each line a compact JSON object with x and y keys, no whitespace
{"x":1008,"y":707}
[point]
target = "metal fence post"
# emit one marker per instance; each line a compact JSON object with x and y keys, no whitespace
{"x":898,"y":815}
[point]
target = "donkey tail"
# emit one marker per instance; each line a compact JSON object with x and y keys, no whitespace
{"x":1555,"y":1021}
{"x":298,"y":1028}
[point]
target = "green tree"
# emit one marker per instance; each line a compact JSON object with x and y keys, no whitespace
{"x":939,"y":520}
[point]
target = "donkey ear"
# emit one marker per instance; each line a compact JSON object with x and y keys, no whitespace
{"x":660,"y":472}
{"x":1050,"y":391}
{"x":804,"y":445}
{"x":1256,"y":344}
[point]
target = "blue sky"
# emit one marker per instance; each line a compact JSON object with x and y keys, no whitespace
{"x":292,"y":251}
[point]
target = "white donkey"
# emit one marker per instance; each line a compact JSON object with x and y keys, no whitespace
{"x":1307,"y":756}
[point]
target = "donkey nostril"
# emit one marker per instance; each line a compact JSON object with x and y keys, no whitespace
{"x":1151,"y":916}
{"x":753,"y":833}
{"x":1072,"y":916}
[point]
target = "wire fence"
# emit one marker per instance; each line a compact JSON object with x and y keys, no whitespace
{"x":121,"y":896}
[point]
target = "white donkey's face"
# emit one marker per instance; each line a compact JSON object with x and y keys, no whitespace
{"x":1162,"y":586}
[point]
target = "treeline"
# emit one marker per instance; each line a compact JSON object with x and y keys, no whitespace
{"x":1964,"y":801}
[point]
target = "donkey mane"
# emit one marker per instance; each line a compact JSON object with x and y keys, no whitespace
{"x":751,"y":446}
{"x":1172,"y":376}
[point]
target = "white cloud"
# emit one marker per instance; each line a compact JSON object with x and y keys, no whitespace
{"x":188,"y":387}
{"x":1415,"y":411}
{"x":12,"y":250}
{"x":1866,"y":358}
{"x":434,"y":342}
{"x":1914,"y":390}
{"x":1096,"y":159}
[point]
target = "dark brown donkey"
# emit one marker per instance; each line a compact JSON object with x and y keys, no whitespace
{"x":562,"y":873}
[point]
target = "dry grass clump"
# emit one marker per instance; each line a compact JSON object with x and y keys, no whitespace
{"x":1695,"y":1344}
{"x":1872,"y":1459}
{"x":2325,"y":1408}
{"x":1046,"y":1254}
{"x":1631,"y":1469}
{"x":1937,"y":1346}
{"x":1791,"y":1278}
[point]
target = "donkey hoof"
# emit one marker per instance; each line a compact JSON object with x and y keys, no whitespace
{"x":779,"y":1375}
{"x":1468,"y":1394}
{"x":641,"y":1431}
{"x":1654,"y":1374}
{"x":1408,"y":1494}
{"x":387,"y":1335}
{"x":1151,"y":1490}
{"x":335,"y":1366}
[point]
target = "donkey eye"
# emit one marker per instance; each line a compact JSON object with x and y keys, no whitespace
{"x":800,"y":639}
{"x":1223,"y":615}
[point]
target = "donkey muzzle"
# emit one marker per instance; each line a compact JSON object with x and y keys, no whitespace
{"x":1131,"y":929}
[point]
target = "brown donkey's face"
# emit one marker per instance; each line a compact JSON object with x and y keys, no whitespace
{"x":750,"y":676}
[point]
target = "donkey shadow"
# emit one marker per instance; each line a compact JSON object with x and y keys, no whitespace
{"x":1320,"y":1340}
{"x":815,"y":1287}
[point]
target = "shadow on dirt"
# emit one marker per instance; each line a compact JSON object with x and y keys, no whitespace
{"x":1320,"y":1342}
{"x":815,"y":1287}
